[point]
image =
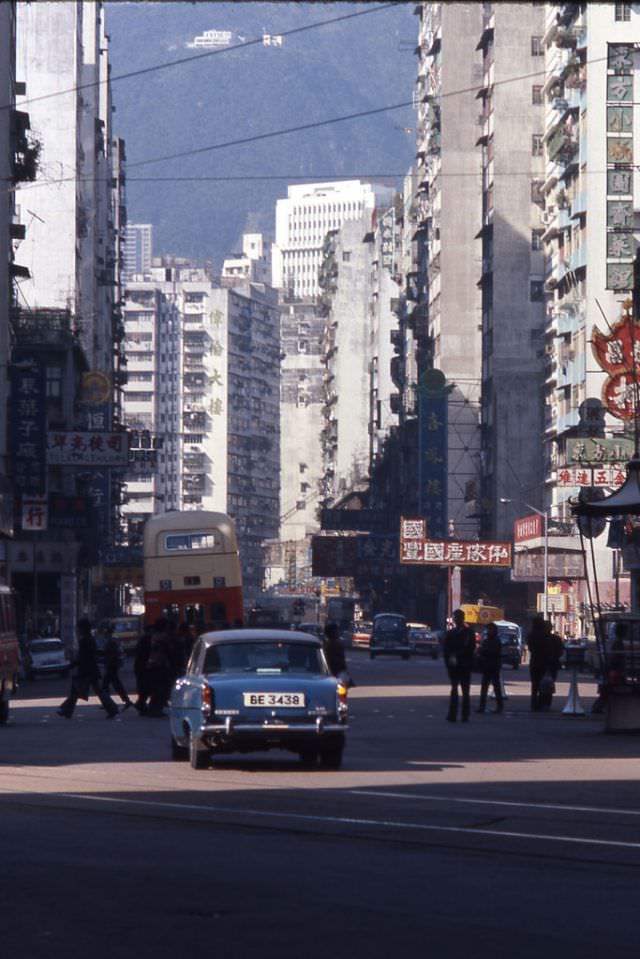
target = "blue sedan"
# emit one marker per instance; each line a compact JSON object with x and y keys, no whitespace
{"x":258,"y":689}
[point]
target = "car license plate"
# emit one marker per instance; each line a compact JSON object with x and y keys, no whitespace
{"x":290,"y":700}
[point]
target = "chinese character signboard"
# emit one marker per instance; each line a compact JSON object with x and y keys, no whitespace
{"x":619,"y":160}
{"x":76,"y":448}
{"x":598,"y":452}
{"x":28,"y":425}
{"x":529,"y":567}
{"x":69,"y":512}
{"x":35,"y":514}
{"x":603,"y":477}
{"x":387,"y":230}
{"x":415,"y":548}
{"x":618,"y":354}
{"x":364,"y":555}
{"x":432,"y":452}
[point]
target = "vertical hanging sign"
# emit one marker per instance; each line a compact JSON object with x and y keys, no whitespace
{"x":432,"y":453}
{"x":28,"y":425}
{"x":619,"y":167}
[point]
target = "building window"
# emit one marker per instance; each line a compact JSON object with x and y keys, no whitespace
{"x":622,"y":11}
{"x":537,"y":145}
{"x":536,"y":94}
{"x":346,"y":256}
{"x":537,"y":194}
{"x":54,"y":382}
{"x":536,"y":291}
{"x":536,"y":239}
{"x":537,"y":47}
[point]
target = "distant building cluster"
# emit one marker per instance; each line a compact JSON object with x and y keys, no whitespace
{"x":457,"y":350}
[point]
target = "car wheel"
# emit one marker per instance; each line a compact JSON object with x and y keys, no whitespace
{"x":178,"y":752}
{"x":331,"y":755}
{"x":434,"y":655}
{"x":199,"y":758}
{"x":372,"y":655}
{"x":405,"y":655}
{"x":4,"y":711}
{"x":308,"y":756}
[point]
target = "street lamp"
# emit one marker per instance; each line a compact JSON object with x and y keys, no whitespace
{"x":545,"y":516}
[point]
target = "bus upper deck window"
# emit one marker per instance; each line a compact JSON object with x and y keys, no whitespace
{"x":202,"y":541}
{"x":176,"y":541}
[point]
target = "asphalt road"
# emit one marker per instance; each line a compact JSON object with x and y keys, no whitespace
{"x":514,"y":834}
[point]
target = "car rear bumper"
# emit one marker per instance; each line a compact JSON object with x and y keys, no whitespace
{"x":229,"y":728}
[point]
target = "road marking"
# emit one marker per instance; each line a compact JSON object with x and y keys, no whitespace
{"x":497,"y":802}
{"x":352,"y":821}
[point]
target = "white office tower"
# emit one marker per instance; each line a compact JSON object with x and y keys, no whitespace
{"x":69,"y":248}
{"x":303,"y":220}
{"x":137,"y":250}
{"x":254,"y":263}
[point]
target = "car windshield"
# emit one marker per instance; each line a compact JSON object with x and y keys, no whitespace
{"x":508,"y":634}
{"x":47,"y":646}
{"x":127,"y":626}
{"x":269,"y":658}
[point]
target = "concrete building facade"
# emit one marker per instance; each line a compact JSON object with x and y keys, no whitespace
{"x":448,"y":208}
{"x":137,"y":250}
{"x":69,"y":248}
{"x":511,"y":275}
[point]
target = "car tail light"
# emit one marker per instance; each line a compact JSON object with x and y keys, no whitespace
{"x":207,"y":701}
{"x":341,"y":695}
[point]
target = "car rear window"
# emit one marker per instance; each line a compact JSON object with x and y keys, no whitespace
{"x":264,"y":658}
{"x":390,"y":623}
{"x":47,"y":646}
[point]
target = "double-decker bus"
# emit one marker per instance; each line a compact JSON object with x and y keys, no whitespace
{"x":192,"y":569}
{"x":9,"y":651}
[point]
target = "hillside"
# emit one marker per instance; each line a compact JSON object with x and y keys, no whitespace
{"x":330,"y":71}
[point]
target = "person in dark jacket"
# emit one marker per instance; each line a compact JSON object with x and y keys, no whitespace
{"x":86,"y":675}
{"x":140,"y":658}
{"x":111,"y":678}
{"x":333,"y":651}
{"x":545,"y":652}
{"x":158,"y":670}
{"x":459,"y":647}
{"x":490,"y":659}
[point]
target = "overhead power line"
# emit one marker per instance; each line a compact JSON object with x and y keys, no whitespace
{"x":154,"y":68}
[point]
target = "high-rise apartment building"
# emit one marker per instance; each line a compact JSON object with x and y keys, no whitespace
{"x":448,"y":313}
{"x":69,"y":248}
{"x":511,"y":270}
{"x":137,"y":250}
{"x":590,"y":89}
{"x":203,"y":388}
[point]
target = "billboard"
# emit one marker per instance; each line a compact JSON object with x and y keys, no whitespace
{"x":416,"y":549}
{"x":91,"y":448}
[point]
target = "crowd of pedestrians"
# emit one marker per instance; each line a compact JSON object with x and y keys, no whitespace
{"x":160,"y":657}
{"x":462,"y":655}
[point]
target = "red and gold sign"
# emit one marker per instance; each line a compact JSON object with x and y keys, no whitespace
{"x":416,"y":549}
{"x":618,"y":354}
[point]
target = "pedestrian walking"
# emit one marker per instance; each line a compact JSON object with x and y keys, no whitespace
{"x":157,"y":673}
{"x":459,"y":647}
{"x":490,"y":660}
{"x":140,"y":657}
{"x":111,"y":679}
{"x":86,"y":675}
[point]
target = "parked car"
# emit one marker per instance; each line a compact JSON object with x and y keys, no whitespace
{"x":423,"y":640}
{"x":361,"y":635}
{"x":258,"y":689}
{"x":389,"y":636}
{"x":46,"y":656}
